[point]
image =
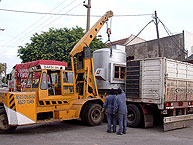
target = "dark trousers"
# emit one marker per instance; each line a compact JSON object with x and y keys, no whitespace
{"x":122,"y":123}
{"x":111,"y":118}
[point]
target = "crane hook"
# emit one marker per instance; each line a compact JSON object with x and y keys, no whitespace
{"x":108,"y":33}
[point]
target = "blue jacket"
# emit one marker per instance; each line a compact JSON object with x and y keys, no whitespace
{"x":109,"y":103}
{"x":120,"y":104}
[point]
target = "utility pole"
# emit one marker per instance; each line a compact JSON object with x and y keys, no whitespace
{"x":88,"y":6}
{"x":157,"y":30}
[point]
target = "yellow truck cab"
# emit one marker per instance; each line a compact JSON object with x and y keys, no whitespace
{"x":49,"y":95}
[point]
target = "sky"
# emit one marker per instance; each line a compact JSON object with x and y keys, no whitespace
{"x":19,"y":27}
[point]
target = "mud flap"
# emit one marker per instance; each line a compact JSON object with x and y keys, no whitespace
{"x":148,"y":116}
{"x":175,"y":122}
{"x":148,"y":120}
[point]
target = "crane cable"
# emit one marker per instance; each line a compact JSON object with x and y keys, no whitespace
{"x":109,"y":35}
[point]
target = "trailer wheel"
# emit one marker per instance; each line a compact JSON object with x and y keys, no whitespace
{"x":4,"y":126}
{"x":133,"y":116}
{"x":94,"y":114}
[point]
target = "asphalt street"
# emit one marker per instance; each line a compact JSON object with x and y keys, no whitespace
{"x":76,"y":133}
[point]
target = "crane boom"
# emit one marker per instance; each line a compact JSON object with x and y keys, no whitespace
{"x":89,"y":36}
{"x":84,"y":71}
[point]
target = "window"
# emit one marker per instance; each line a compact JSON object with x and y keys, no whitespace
{"x":44,"y":81}
{"x":54,"y":82}
{"x":119,"y":72}
{"x":33,"y":79}
{"x":36,"y":79}
{"x":68,"y":82}
{"x":123,"y":70}
{"x":116,"y":72}
{"x":68,"y":77}
{"x":29,"y":80}
{"x":54,"y":78}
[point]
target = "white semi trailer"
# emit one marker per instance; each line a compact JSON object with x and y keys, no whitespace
{"x":156,"y":89}
{"x":159,"y":88}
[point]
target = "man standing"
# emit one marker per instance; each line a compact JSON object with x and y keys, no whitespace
{"x":109,"y":104}
{"x":120,"y":108}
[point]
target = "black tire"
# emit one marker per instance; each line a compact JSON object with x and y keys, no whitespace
{"x":83,"y":113}
{"x":4,"y":126}
{"x":94,"y":115}
{"x":134,"y":116}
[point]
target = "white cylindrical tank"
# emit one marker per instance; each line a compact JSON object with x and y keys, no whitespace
{"x":110,"y":70}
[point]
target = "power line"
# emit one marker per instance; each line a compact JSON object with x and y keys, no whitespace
{"x":7,"y":46}
{"x":140,"y":32}
{"x":45,"y":13}
{"x":135,"y":15}
{"x":43,"y":26}
{"x":33,"y":24}
{"x":44,"y":22}
{"x":169,"y":34}
{"x":97,"y":16}
{"x":10,"y":45}
{"x":40,"y":13}
{"x":22,"y":38}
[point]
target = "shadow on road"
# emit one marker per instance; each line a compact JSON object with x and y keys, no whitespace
{"x":48,"y":127}
{"x":75,"y":125}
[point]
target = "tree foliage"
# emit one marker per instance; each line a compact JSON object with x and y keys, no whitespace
{"x":55,"y":44}
{"x":3,"y":67}
{"x":4,"y":80}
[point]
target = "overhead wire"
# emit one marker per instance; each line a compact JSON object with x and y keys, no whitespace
{"x":72,"y":15}
{"x":136,"y":15}
{"x":140,"y":32}
{"x":40,"y":25}
{"x":34,"y":23}
{"x":12,"y":44}
{"x":21,"y":39}
{"x":169,"y":34}
{"x":43,"y":26}
{"x":46,"y":13}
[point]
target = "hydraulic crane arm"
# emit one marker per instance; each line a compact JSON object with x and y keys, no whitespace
{"x":84,"y":76}
{"x":89,"y":36}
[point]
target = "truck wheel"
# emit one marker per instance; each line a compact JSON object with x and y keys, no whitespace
{"x":4,"y":126}
{"x":94,"y":114}
{"x":133,"y":116}
{"x":83,"y":114}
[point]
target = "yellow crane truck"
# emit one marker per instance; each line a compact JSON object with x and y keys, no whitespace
{"x":53,"y":93}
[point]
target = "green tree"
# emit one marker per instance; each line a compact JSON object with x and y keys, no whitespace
{"x":55,"y":44}
{"x":3,"y":67}
{"x":4,"y":80}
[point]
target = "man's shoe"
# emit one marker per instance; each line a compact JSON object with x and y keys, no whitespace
{"x":114,"y":131}
{"x":108,"y":131}
{"x":124,"y":132}
{"x":118,"y":133}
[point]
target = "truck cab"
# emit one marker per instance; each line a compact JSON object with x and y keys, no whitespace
{"x":49,"y":95}
{"x":50,"y":80}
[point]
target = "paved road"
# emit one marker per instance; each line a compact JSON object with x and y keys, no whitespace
{"x":75,"y":133}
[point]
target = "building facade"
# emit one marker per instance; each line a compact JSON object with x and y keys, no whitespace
{"x":178,"y":47}
{"x":170,"y":47}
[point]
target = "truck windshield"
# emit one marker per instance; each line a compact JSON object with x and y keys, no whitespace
{"x":33,"y":79}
